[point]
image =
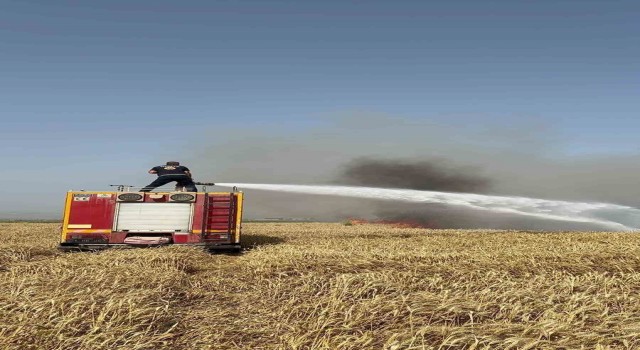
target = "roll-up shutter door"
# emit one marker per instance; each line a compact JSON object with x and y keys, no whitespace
{"x":154,"y":217}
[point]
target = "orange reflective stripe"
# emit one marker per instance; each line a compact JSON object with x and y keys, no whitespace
{"x":65,"y":217}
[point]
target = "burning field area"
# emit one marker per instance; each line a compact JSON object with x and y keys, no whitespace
{"x":326,"y":286}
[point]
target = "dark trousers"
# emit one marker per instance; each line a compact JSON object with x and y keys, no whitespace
{"x":182,"y":180}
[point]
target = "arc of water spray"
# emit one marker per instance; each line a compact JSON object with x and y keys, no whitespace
{"x":626,"y":218}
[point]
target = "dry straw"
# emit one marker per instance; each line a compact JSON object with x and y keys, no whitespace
{"x":326,"y":286}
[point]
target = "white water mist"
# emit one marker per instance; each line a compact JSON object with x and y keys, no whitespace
{"x":611,"y":216}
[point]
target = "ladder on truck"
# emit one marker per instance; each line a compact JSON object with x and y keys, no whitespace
{"x":219,"y":216}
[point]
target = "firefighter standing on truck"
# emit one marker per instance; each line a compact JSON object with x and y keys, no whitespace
{"x":172,"y":171}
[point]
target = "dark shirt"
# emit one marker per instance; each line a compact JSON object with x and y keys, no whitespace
{"x":170,"y":170}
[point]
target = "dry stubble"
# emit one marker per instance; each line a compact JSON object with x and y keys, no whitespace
{"x":326,"y":286}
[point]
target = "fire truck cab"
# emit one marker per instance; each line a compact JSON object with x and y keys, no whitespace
{"x":99,"y":220}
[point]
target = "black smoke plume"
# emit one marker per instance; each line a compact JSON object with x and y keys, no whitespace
{"x":429,"y":175}
{"x":435,"y":175}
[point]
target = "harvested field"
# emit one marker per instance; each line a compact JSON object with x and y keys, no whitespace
{"x":326,"y":286}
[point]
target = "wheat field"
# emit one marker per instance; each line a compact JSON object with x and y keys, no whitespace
{"x":326,"y":286}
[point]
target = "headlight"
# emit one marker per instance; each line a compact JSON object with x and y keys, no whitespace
{"x":130,"y":197}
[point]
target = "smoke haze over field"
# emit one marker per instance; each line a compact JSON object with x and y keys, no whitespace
{"x":525,"y":159}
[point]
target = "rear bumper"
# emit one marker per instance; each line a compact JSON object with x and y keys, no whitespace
{"x":71,"y":247}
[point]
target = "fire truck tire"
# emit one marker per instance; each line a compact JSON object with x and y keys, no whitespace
{"x":71,"y":248}
{"x":233,"y":249}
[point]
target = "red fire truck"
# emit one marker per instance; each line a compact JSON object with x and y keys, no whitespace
{"x":99,"y":220}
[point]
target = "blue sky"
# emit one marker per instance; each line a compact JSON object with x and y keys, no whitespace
{"x":99,"y":91}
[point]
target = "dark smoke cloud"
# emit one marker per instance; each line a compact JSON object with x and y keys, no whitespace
{"x":431,"y":175}
{"x":428,"y":175}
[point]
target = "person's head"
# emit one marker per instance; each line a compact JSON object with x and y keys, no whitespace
{"x":173,"y":163}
